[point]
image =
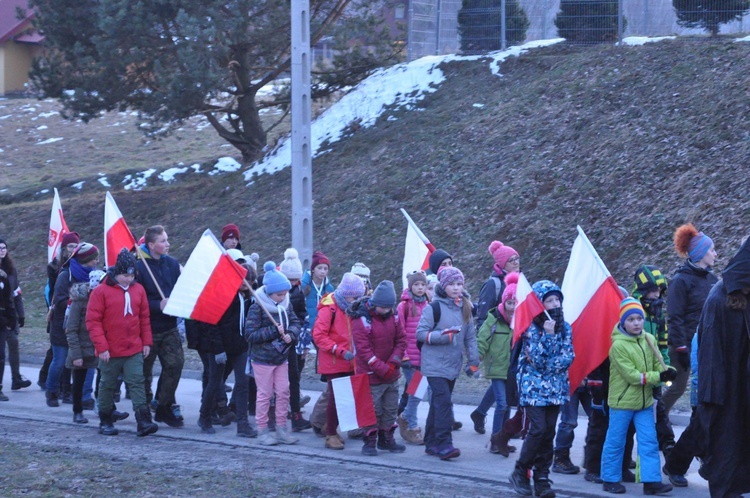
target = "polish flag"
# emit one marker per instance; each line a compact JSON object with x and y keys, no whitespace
{"x":592,"y":307}
{"x":117,"y":235}
{"x":208,"y":283}
{"x":57,"y":228}
{"x":418,"y":385}
{"x":417,"y":250}
{"x":354,"y":405}
{"x":528,"y":306}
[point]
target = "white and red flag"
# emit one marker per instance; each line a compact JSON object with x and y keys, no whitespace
{"x":208,"y":283}
{"x":592,"y":307}
{"x":117,"y":235}
{"x":417,"y":250}
{"x":354,"y":402}
{"x":57,"y":228}
{"x":418,"y":385}
{"x":528,"y":306}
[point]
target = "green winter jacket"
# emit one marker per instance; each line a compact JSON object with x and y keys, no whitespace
{"x":633,"y":371}
{"x":493,"y":343}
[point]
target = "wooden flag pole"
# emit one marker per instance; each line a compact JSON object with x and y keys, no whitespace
{"x":153,"y":279}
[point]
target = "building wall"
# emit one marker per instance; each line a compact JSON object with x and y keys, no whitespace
{"x":15,"y":64}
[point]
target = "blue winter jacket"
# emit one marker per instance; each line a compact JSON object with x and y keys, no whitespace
{"x":543,"y":367}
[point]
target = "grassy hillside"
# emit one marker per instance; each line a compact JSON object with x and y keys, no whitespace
{"x":626,"y":142}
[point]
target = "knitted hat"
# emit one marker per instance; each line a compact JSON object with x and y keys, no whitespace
{"x":361,"y":270}
{"x":501,"y":253}
{"x":125,"y":264}
{"x":384,"y":295}
{"x":414,"y":277}
{"x":544,"y":288}
{"x":252,"y":260}
{"x":86,"y":253}
{"x":291,"y":266}
{"x":438,"y":257}
{"x":689,"y":242}
{"x":351,"y":286}
{"x":236,"y":255}
{"x":273,"y":280}
{"x":448,"y":275}
{"x":95,"y":278}
{"x":649,"y":278}
{"x":318,"y":258}
{"x":70,"y":238}
{"x":230,"y":231}
{"x":431,"y":279}
{"x":629,"y":306}
{"x":511,"y":284}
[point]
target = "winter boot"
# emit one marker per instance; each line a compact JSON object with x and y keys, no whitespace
{"x":106,"y":427}
{"x":3,"y":397}
{"x":370,"y":438}
{"x":334,"y":442}
{"x":117,"y":416}
{"x":166,"y":415}
{"x":413,"y":436}
{"x":78,"y":418}
{"x":614,"y":487}
{"x":499,"y":442}
{"x":244,"y":429}
{"x":562,"y":463}
{"x":206,"y":426}
{"x":226,"y":417}
{"x":387,"y":440}
{"x":677,"y":480}
{"x":519,"y":479}
{"x":145,"y":425}
{"x":283,"y":436}
{"x":656,"y":488}
{"x":52,"y":399}
{"x":67,"y":396}
{"x":266,"y":438}
{"x":299,"y":423}
{"x":19,"y":383}
{"x":304,"y":400}
{"x":543,"y":486}
{"x":177,"y":412}
{"x":478,"y":420}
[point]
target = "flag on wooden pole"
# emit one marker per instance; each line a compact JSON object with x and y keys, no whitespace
{"x":417,"y":249}
{"x":354,"y":405}
{"x":57,"y":228}
{"x":117,"y":235}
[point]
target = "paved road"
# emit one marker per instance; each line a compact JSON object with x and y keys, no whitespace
{"x":475,"y":464}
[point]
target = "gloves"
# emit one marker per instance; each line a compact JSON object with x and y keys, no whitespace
{"x":669,"y":374}
{"x":348,"y":355}
{"x":396,"y":361}
{"x":472,"y":371}
{"x":221,"y":358}
{"x":683,"y":358}
{"x":21,"y":321}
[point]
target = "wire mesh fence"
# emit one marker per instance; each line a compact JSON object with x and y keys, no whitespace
{"x":473,"y":26}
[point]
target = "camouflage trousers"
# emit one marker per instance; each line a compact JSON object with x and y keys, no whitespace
{"x":168,"y":348}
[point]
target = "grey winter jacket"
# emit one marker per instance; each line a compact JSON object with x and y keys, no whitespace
{"x":441,"y":356}
{"x":80,"y":345}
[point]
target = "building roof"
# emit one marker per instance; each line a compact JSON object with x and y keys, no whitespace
{"x":10,"y":26}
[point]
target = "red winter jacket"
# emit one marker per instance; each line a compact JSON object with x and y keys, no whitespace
{"x":332,"y":335}
{"x":380,"y":345}
{"x":409,"y":321}
{"x":111,"y":330}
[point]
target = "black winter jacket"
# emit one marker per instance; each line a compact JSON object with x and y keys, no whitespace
{"x":688,"y":291}
{"x":60,"y":298}
{"x":8,"y":318}
{"x":261,"y":333}
{"x":166,"y":271}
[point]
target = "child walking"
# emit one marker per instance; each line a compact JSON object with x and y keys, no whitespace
{"x":269,"y":350}
{"x":635,"y":369}
{"x":413,"y":301}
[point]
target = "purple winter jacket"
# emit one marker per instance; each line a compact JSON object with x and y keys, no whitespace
{"x":409,"y":321}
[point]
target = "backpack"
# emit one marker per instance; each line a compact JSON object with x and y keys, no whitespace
{"x":435,"y":319}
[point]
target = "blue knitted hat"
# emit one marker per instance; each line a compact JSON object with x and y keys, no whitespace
{"x":273,"y":280}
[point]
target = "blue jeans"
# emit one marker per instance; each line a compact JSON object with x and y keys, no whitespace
{"x":410,"y":412}
{"x":88,"y":384}
{"x":501,"y":406}
{"x":614,"y":444}
{"x":569,"y":418}
{"x":59,"y":353}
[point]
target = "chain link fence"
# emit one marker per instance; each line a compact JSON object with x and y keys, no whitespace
{"x":447,"y":26}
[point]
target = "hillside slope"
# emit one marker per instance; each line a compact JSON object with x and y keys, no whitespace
{"x":627,"y":142}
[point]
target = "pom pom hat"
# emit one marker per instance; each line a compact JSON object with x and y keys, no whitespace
{"x":511,"y":284}
{"x":86,"y":253}
{"x":501,"y":253}
{"x":273,"y":280}
{"x":318,"y":258}
{"x":630,"y":306}
{"x":691,"y":243}
{"x":291,"y":266}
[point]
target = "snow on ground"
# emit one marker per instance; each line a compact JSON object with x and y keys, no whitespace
{"x":225,"y":165}
{"x":745,"y":39}
{"x":78,"y":185}
{"x":168,"y":175}
{"x":137,"y":181}
{"x":642,"y":40}
{"x":48,"y":141}
{"x":104,"y":182}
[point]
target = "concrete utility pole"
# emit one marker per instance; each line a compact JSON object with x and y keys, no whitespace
{"x":302,"y":210}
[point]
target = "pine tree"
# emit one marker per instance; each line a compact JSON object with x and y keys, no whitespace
{"x":171,"y":60}
{"x":709,"y":14}
{"x":588,"y":21}
{"x":479,"y":25}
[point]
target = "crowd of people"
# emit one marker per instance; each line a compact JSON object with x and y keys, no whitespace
{"x":107,"y":327}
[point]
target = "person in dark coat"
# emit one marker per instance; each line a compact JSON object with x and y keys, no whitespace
{"x":8,"y":320}
{"x":723,"y":387}
{"x":687,"y":292}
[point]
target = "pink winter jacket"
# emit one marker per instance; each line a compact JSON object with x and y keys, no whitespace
{"x":409,"y":321}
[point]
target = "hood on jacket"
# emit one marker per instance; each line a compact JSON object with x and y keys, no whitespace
{"x":737,"y":273}
{"x":619,"y":334}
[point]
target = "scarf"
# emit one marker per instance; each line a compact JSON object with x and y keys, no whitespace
{"x":78,"y":272}
{"x":341,"y":301}
{"x":128,"y":308}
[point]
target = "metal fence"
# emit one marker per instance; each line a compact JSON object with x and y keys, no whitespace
{"x":433,"y":25}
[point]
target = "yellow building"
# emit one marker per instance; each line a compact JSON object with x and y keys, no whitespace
{"x":19,"y":43}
